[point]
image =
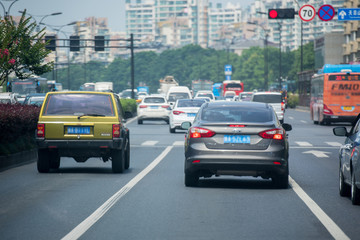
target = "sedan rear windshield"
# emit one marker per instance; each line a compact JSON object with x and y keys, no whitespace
{"x":154,"y":100}
{"x":271,"y":98}
{"x":78,"y":104}
{"x":192,"y":103}
{"x":235,"y":114}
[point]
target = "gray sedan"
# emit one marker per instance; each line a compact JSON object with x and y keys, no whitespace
{"x":236,"y":138}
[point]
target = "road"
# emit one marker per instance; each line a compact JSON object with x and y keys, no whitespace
{"x":150,"y":201}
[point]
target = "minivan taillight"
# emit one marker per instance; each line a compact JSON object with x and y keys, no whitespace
{"x":196,"y":132}
{"x":277,"y":134}
{"x":40,"y":133}
{"x":116,"y":130}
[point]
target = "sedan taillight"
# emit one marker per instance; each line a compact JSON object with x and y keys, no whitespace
{"x":40,"y":133}
{"x":143,"y":106}
{"x":165,"y":106}
{"x":277,"y":134}
{"x":175,"y":112}
{"x":282,"y":106}
{"x":196,"y":132}
{"x":116,"y":130}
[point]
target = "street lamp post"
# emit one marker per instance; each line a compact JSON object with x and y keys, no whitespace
{"x":7,"y":13}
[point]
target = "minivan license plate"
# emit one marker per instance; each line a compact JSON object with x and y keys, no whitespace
{"x":78,"y":130}
{"x":236,"y":139}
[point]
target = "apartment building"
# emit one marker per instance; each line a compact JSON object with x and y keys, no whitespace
{"x":351,"y":50}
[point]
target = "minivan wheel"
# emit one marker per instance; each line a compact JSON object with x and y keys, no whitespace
{"x":118,"y":161}
{"x":191,"y":179}
{"x":355,"y":193}
{"x":344,"y":189}
{"x":43,"y":162}
{"x":281,"y":181}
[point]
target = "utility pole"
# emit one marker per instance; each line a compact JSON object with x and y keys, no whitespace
{"x":132,"y":66}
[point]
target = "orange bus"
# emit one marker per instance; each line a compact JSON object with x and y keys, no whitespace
{"x":335,"y":94}
{"x":232,"y":85}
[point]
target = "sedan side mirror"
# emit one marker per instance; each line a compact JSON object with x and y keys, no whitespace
{"x":186,"y":125}
{"x":340,"y":131}
{"x":287,"y":126}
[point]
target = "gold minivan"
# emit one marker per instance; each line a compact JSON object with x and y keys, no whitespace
{"x":81,"y":125}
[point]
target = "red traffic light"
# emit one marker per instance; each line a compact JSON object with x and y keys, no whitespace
{"x":273,"y":13}
{"x":281,"y":13}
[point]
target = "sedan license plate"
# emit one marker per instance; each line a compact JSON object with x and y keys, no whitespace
{"x":236,"y":139}
{"x":154,"y":107}
{"x":78,"y":130}
{"x":191,"y":114}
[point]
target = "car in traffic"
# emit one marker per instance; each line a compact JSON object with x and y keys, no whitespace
{"x":349,"y":161}
{"x":245,"y":96}
{"x":81,"y":125}
{"x":8,"y":97}
{"x":274,"y":99}
{"x":236,"y":138}
{"x":177,"y":92}
{"x":184,"y":110}
{"x":35,"y":99}
{"x":153,"y":108}
{"x":205,"y":93}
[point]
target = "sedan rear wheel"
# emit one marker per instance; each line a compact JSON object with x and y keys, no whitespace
{"x":344,"y":189}
{"x":140,"y":121}
{"x":355,"y":192}
{"x":191,"y":179}
{"x":171,"y":130}
{"x":118,"y":161}
{"x":43,"y":162}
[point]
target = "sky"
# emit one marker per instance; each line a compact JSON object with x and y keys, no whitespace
{"x":78,"y":10}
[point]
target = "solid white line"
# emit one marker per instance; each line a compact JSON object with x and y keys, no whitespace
{"x":328,"y":223}
{"x":95,"y":216}
{"x":303,"y":121}
{"x":334,"y":144}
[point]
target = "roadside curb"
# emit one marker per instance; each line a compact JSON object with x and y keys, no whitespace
{"x":17,"y":159}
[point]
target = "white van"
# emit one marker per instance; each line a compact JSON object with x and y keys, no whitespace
{"x":177,"y":92}
{"x":274,"y":99}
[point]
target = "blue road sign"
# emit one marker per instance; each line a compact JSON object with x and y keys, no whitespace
{"x":348,"y":14}
{"x":326,"y":12}
{"x":228,"y":69}
{"x":227,"y":77}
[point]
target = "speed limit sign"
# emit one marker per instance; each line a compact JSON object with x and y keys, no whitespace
{"x":307,"y":13}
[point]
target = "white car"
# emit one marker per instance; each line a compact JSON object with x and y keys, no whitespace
{"x":8,"y":97}
{"x":204,"y":93}
{"x":153,"y":108}
{"x":274,"y":99}
{"x":184,"y":110}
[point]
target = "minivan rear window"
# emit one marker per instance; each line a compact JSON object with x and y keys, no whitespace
{"x":78,"y":104}
{"x":154,"y":100}
{"x":270,"y":98}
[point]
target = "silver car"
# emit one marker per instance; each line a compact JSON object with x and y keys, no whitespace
{"x":274,"y":99}
{"x":236,"y":138}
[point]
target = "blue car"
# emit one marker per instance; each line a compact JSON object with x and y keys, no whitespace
{"x":349,"y":171}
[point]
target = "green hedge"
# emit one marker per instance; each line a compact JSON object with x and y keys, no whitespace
{"x":18,"y":124}
{"x":293,"y":100}
{"x":129,"y":105}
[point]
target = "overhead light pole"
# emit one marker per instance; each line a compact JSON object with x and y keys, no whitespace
{"x":7,"y":13}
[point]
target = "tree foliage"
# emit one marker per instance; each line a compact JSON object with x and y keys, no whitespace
{"x":192,"y":62}
{"x":20,"y":50}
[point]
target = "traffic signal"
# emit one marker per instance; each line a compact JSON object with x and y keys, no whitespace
{"x":50,"y":41}
{"x":99,"y":43}
{"x":281,"y":13}
{"x":74,"y":43}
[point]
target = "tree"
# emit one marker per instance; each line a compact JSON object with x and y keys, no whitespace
{"x":21,"y":50}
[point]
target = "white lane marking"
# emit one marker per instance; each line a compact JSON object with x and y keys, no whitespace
{"x":178,"y":143}
{"x":85,"y":225}
{"x":318,"y":154}
{"x":328,"y":223}
{"x":292,"y":118}
{"x":304,"y":144}
{"x":334,"y":144}
{"x":303,"y":121}
{"x":149,"y":143}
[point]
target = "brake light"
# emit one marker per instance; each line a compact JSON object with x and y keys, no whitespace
{"x":143,"y":106}
{"x":277,"y":134}
{"x":236,"y":125}
{"x":165,"y":106}
{"x":327,"y":110}
{"x":282,"y":106}
{"x":40,"y":133}
{"x":175,"y":112}
{"x":116,"y":130}
{"x":196,"y":132}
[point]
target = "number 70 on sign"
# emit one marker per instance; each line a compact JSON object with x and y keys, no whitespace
{"x":307,"y":13}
